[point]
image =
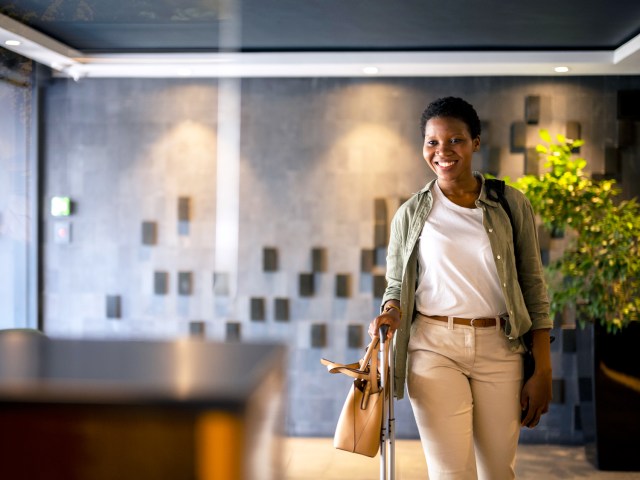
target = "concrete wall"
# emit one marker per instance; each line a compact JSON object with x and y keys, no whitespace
{"x":323,"y":165}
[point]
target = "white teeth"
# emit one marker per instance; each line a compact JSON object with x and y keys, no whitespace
{"x":445,"y":164}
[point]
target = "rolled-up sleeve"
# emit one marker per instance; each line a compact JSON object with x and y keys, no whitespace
{"x":530,"y":269}
{"x":394,"y":263}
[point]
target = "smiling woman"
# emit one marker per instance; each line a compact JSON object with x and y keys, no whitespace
{"x":454,"y":298}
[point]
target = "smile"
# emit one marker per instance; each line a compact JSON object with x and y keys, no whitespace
{"x":445,"y":164}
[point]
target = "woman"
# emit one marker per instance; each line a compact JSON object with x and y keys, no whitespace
{"x":460,"y":295}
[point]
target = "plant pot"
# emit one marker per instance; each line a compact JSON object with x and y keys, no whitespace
{"x":609,"y":386}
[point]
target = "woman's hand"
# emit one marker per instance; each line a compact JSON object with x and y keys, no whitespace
{"x":391,"y":315}
{"x":536,"y":393}
{"x":535,"y":398}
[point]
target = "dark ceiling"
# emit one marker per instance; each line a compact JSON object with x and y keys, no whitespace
{"x":127,"y":26}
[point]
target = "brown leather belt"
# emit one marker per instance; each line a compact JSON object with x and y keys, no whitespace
{"x":470,"y":322}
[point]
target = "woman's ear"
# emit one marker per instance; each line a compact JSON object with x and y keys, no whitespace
{"x":476,"y":143}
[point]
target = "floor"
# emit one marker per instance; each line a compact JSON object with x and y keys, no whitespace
{"x":315,"y":458}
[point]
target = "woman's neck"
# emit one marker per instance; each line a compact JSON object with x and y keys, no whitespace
{"x":463,"y":193}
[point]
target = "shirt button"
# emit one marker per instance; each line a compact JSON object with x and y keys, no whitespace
{"x":490,"y":230}
{"x":504,"y":284}
{"x":498,"y":257}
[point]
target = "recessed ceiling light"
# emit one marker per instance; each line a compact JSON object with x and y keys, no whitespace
{"x":370,"y":70}
{"x":12,"y":43}
{"x":561,"y":69}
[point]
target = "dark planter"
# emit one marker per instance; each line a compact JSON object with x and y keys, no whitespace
{"x":609,"y":386}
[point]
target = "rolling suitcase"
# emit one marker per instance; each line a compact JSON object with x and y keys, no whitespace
{"x":388,"y":432}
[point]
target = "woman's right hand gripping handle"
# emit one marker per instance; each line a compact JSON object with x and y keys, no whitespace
{"x":391,"y":315}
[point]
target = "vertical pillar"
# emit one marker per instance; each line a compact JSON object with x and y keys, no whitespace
{"x":228,"y":181}
{"x":228,"y":158}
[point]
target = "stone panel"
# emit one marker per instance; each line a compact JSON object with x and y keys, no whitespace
{"x":160,"y":283}
{"x":532,"y":109}
{"x":149,"y":233}
{"x":318,"y":335}
{"x":233,"y":331}
{"x":185,"y":283}
{"x":355,"y":336}
{"x":114,"y":303}
{"x":197,"y":329}
{"x":343,"y":285}
{"x":257,"y":310}
{"x":269,"y":259}
{"x":306,"y":284}
{"x":281,"y":308}
{"x":319,"y":260}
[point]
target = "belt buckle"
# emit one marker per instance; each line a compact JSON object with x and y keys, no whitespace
{"x":472,"y":322}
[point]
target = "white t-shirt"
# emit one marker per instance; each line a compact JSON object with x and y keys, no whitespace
{"x":457,"y":274}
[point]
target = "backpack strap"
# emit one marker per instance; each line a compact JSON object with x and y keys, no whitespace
{"x":495,"y":192}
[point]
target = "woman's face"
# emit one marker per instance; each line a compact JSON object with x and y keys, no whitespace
{"x":448,"y":148}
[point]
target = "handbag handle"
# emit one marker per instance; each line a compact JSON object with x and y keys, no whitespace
{"x":366,"y":369}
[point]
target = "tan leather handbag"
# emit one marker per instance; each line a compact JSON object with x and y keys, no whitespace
{"x":360,"y":421}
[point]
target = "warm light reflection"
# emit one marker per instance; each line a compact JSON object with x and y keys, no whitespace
{"x":184,"y":368}
{"x":561,"y":69}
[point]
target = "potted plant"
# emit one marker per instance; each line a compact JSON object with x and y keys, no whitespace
{"x":598,"y":277}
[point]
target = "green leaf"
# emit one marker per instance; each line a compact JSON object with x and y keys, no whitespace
{"x":544,"y":135}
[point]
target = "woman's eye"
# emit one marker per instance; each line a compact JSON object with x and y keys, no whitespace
{"x":455,"y":140}
{"x":432,"y":143}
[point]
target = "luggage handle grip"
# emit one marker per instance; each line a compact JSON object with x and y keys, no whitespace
{"x":383,"y":332}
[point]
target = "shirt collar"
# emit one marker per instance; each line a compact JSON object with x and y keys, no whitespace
{"x":483,"y":191}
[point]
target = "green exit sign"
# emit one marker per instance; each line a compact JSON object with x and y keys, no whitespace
{"x":60,"y":206}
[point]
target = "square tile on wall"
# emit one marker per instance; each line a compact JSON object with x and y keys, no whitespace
{"x":281,"y":307}
{"x":306,"y":284}
{"x":160,"y":283}
{"x":319,"y":335}
{"x":257,"y":309}
{"x":185,"y":283}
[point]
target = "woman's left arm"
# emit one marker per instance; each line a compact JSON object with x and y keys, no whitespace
{"x":537,"y":392}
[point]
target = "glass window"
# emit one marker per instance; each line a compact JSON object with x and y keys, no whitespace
{"x":17,"y":195}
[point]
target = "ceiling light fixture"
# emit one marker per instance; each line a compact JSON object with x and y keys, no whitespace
{"x":184,"y":72}
{"x":561,"y":69}
{"x":370,"y":70}
{"x":12,"y":43}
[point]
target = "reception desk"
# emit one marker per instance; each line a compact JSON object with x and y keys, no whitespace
{"x":104,"y":409}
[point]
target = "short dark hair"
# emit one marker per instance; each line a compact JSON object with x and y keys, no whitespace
{"x":452,"y":107}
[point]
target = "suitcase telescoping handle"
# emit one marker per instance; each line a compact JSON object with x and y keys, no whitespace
{"x":387,"y":434}
{"x":384,"y":329}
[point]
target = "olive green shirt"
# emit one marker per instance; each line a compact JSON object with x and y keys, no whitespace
{"x":526,"y":299}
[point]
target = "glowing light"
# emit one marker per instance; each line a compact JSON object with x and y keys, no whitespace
{"x":370,"y":70}
{"x":561,"y":69}
{"x":12,"y":43}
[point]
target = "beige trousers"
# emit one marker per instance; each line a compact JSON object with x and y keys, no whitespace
{"x":464,"y":384}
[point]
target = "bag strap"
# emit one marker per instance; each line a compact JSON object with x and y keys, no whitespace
{"x":495,"y":192}
{"x":365,"y":369}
